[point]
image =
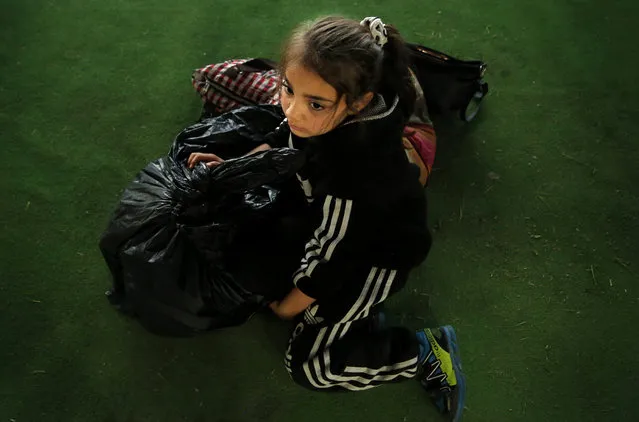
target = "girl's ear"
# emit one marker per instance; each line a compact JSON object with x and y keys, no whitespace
{"x":362,"y":102}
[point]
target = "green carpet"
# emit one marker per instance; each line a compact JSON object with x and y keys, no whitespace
{"x":534,"y":209}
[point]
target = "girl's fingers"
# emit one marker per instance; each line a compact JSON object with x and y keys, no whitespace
{"x":192,"y":158}
{"x":196,"y":157}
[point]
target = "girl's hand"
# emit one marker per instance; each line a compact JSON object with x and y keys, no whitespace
{"x":274,"y":306}
{"x":293,"y":304}
{"x":211,"y":159}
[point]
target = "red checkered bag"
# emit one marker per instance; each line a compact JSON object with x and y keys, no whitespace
{"x":235,"y":83}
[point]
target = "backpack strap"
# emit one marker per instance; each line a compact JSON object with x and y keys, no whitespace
{"x":251,"y":66}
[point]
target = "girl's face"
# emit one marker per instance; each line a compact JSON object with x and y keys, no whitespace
{"x":310,"y":103}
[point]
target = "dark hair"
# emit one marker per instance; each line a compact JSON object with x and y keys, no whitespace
{"x":344,"y":54}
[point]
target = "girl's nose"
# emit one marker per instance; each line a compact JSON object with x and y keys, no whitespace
{"x":294,"y":112}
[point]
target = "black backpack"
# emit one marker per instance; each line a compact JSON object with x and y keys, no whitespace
{"x":449,"y":84}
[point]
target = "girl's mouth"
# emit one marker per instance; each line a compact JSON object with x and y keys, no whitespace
{"x":295,"y":128}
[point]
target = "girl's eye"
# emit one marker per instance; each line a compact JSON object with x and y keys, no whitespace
{"x":288,"y":89}
{"x":317,"y":106}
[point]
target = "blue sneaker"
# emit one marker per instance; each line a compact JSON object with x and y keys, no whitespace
{"x":442,"y":375}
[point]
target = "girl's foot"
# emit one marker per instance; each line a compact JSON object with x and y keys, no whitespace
{"x":442,"y":374}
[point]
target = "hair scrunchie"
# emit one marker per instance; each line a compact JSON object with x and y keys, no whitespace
{"x":378,"y":30}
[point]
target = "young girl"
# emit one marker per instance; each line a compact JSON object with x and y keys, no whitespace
{"x":347,"y":94}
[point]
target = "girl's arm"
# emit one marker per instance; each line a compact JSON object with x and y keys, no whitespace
{"x":263,"y":147}
{"x":293,"y":304}
{"x":213,"y":160}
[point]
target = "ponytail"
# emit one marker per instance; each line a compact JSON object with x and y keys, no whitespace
{"x":396,"y":77}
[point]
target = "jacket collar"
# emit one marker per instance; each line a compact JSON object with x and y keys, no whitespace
{"x":376,"y":110}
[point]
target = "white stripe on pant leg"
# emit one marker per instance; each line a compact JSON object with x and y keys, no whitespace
{"x":288,"y":358}
{"x":392,"y":275}
{"x":380,"y":278}
{"x":378,"y":284}
{"x":322,"y":374}
{"x":347,"y":326}
{"x":408,"y":369}
{"x":327,"y":379}
{"x":335,"y":379}
{"x":353,"y":388}
{"x":365,"y":313}
{"x":343,"y":380}
{"x":380,"y":379}
{"x":377,"y":371}
{"x":409,"y":372}
{"x":374,"y":384}
{"x":312,"y":357}
{"x":362,"y":296}
{"x":383,"y":278}
{"x":312,"y":365}
{"x":326,"y":355}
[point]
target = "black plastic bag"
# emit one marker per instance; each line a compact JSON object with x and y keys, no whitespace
{"x":230,"y":135}
{"x":195,"y":250}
